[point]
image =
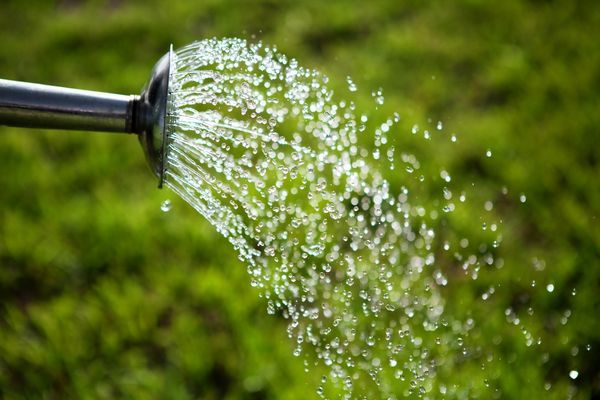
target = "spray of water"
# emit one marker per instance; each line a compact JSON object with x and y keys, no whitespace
{"x":292,"y":176}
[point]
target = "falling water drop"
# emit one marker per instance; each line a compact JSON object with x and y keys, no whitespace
{"x":573,"y":374}
{"x":351,"y":85}
{"x":165,"y":206}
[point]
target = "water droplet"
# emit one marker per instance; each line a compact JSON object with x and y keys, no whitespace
{"x":166,"y":206}
{"x":378,"y":96}
{"x":351,"y":85}
{"x":573,"y":374}
{"x":550,"y":287}
{"x":315,"y":250}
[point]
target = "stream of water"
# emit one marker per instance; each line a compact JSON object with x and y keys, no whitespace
{"x":294,"y":176}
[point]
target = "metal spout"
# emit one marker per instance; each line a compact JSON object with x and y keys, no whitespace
{"x":32,"y":105}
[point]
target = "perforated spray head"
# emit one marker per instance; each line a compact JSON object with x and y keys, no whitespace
{"x":151,"y":113}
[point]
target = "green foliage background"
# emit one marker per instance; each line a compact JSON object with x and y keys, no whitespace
{"x":102,"y":295}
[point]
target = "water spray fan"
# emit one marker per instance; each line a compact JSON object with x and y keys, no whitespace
{"x":32,"y":105}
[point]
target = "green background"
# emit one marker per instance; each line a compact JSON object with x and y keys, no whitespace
{"x":102,"y":295}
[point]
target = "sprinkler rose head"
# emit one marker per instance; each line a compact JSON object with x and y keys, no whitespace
{"x":50,"y":107}
{"x":150,"y":116}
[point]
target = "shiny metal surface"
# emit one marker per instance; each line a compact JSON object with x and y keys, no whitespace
{"x":33,"y":105}
{"x":42,"y":106}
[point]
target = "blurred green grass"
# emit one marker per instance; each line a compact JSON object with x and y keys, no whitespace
{"x":102,"y":295}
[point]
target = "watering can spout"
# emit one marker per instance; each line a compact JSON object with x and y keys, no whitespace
{"x":24,"y":104}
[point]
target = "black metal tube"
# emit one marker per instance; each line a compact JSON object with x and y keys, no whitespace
{"x":41,"y":106}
